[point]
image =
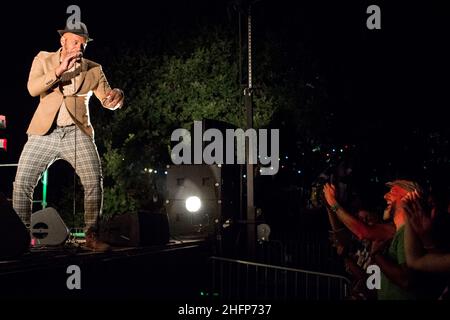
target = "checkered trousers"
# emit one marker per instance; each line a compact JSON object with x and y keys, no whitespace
{"x":41,"y":151}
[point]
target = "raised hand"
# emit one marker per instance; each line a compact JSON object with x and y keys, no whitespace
{"x":419,"y":215}
{"x":68,"y":62}
{"x":329,"y":191}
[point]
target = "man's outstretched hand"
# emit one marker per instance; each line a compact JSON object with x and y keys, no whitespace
{"x":114,"y":99}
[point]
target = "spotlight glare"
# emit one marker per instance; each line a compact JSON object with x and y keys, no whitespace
{"x":193,"y":204}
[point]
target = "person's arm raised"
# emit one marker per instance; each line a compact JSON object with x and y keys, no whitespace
{"x":357,"y":227}
{"x":40,"y":81}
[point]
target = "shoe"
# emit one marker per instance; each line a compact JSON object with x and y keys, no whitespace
{"x":93,"y":243}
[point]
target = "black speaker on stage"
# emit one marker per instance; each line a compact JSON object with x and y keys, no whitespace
{"x":47,"y":228}
{"x":141,"y":229}
{"x":201,"y":197}
{"x":14,"y":236}
{"x":216,"y":189}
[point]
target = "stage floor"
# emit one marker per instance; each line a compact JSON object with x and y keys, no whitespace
{"x":174,"y":271}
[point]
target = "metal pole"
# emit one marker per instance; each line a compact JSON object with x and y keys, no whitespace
{"x":241,"y":85}
{"x":251,"y":230}
{"x":44,"y":183}
{"x":44,"y":189}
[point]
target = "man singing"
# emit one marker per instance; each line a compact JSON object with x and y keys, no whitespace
{"x":61,"y":129}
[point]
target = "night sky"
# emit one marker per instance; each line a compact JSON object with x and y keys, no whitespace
{"x":380,"y":81}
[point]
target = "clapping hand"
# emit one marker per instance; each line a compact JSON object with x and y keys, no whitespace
{"x":418,"y":214}
{"x":329,"y":191}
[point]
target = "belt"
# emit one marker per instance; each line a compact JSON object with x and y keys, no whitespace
{"x":68,"y":126}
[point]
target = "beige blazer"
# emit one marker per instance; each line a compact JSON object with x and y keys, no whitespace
{"x":43,"y":82}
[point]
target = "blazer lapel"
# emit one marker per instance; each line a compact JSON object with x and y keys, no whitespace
{"x":80,"y":78}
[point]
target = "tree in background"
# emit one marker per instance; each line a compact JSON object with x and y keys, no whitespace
{"x":166,"y":91}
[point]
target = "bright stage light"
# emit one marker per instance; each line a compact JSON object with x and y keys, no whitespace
{"x":193,"y":204}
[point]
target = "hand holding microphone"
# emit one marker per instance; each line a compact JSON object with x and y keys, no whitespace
{"x":68,"y":62}
{"x":80,"y":55}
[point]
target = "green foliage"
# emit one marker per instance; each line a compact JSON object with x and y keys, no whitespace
{"x":193,"y":78}
{"x":164,"y":92}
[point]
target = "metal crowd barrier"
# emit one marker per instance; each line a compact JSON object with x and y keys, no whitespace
{"x":244,"y":280}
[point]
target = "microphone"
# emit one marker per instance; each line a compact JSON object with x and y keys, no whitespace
{"x":80,"y":55}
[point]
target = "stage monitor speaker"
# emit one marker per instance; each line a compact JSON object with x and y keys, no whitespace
{"x":216,"y":187}
{"x":187,"y":181}
{"x":47,"y":228}
{"x":141,"y":229}
{"x":14,"y":236}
